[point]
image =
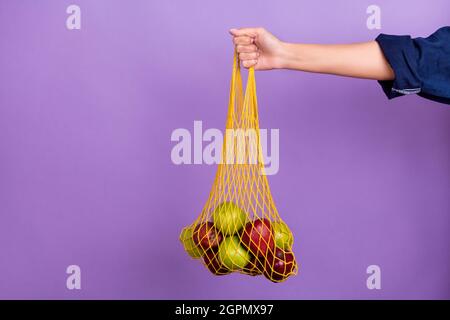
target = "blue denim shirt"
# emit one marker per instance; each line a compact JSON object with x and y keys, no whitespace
{"x":421,"y":65}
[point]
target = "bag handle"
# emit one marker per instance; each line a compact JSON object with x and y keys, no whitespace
{"x":240,"y":102}
{"x":243,"y":108}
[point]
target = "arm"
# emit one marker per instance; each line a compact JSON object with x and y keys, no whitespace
{"x":359,"y":60}
{"x":259,"y":48}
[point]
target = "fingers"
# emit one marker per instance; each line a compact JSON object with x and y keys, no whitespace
{"x":248,"y":56}
{"x":244,"y":40}
{"x":240,"y":48}
{"x":249,"y":63}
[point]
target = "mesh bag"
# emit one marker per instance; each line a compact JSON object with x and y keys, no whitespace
{"x":239,"y":228}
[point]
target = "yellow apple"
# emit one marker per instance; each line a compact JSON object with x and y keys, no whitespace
{"x":229,"y":218}
{"x":232,"y":255}
{"x":188,"y":243}
{"x":283,"y":236}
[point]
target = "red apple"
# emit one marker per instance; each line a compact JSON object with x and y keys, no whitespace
{"x":258,"y":237}
{"x":280,"y":266}
{"x":206,"y":236}
{"x":254,"y":267}
{"x":213,"y":264}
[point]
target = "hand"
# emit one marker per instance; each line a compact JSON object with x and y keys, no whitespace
{"x":258,"y":48}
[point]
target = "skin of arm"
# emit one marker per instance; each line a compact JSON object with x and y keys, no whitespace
{"x":260,"y":49}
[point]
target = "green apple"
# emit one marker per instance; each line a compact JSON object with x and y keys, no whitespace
{"x":283,"y":236}
{"x":232,"y":254}
{"x":188,"y":243}
{"x":229,"y":218}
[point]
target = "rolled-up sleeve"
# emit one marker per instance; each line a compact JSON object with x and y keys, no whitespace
{"x":421,"y":65}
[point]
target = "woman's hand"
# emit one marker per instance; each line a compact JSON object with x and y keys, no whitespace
{"x":258,"y":48}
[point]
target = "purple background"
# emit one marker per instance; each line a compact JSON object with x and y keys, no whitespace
{"x":86,"y":176}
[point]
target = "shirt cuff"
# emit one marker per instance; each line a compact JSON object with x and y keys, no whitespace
{"x":402,"y":55}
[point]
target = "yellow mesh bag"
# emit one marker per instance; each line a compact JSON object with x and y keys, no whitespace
{"x":239,"y":228}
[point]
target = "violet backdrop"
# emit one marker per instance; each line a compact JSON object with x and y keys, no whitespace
{"x":86,"y":176}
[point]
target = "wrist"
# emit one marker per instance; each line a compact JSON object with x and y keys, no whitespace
{"x":281,"y":57}
{"x":290,"y":56}
{"x":285,"y":55}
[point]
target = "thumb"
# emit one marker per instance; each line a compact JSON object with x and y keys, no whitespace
{"x":250,"y":32}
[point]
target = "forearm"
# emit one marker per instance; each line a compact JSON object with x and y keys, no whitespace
{"x":360,"y":60}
